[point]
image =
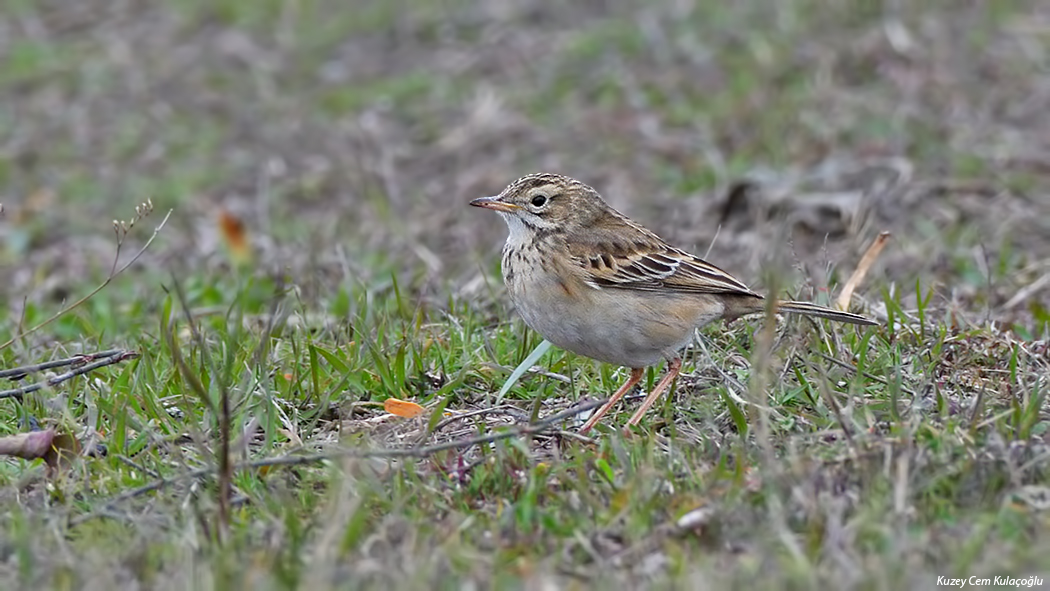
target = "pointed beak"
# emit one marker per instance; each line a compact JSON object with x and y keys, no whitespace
{"x":495,"y":204}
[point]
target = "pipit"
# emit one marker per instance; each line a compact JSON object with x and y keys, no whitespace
{"x":594,"y":282}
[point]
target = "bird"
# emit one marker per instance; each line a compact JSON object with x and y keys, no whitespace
{"x":592,"y":281}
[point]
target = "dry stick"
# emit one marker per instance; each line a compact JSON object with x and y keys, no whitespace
{"x":298,"y":460}
{"x":113,"y":273}
{"x":17,"y":373}
{"x":504,"y":409}
{"x":112,"y":359}
{"x":429,"y":450}
{"x":978,"y":405}
{"x":574,"y":435}
{"x":829,"y":397}
{"x":225,"y":470}
{"x":865,"y":263}
{"x":1026,"y":292}
{"x":870,"y":376}
{"x":760,"y":363}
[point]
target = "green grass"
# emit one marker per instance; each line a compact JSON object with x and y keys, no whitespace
{"x":348,"y":141}
{"x":526,"y":508}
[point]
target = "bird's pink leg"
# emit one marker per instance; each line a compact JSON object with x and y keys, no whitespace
{"x":636,"y":376}
{"x":673,"y":369}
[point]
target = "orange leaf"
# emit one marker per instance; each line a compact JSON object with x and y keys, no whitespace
{"x":402,"y":408}
{"x":233,"y":231}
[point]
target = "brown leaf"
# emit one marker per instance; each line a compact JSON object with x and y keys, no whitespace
{"x":28,"y":446}
{"x":64,"y":447}
{"x":57,"y":450}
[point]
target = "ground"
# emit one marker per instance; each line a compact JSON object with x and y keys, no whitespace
{"x":777,"y":139}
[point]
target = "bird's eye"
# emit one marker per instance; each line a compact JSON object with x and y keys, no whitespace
{"x":539,"y":200}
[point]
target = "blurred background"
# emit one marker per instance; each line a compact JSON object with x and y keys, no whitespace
{"x":347,"y":137}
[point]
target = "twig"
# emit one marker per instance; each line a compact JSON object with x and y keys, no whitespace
{"x":428,"y":450}
{"x":829,"y":397}
{"x":17,"y":373}
{"x":977,"y":406}
{"x":865,"y":263}
{"x":110,"y":360}
{"x":135,"y":465}
{"x":137,"y":492}
{"x":114,"y":272}
{"x":299,"y":460}
{"x":223,"y":418}
{"x":574,"y":435}
{"x":1026,"y":292}
{"x":505,"y":409}
{"x":870,"y":376}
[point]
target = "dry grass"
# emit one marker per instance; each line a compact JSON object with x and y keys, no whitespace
{"x":348,"y":141}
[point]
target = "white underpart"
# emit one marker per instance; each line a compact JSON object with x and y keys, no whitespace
{"x":519,"y":234}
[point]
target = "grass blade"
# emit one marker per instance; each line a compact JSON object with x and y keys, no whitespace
{"x":521,"y":369}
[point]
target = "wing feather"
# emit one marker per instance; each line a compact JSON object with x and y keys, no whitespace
{"x":634,"y":258}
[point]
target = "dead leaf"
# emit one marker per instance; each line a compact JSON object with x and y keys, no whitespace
{"x":60,"y":454}
{"x":28,"y":446}
{"x":236,"y":236}
{"x":402,"y":408}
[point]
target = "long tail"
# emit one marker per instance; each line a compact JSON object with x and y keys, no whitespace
{"x":822,"y":312}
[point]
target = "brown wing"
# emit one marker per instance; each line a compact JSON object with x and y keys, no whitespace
{"x":627,"y":256}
